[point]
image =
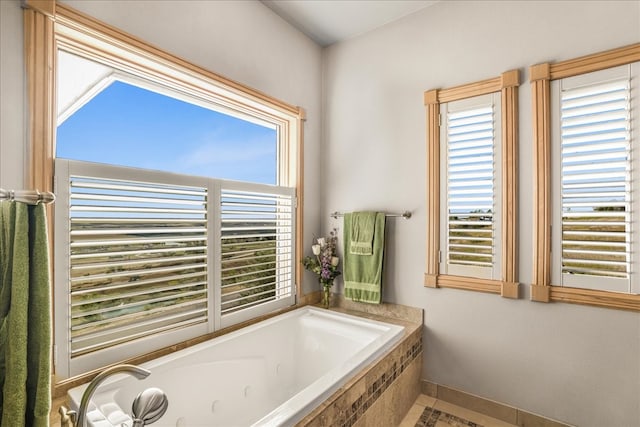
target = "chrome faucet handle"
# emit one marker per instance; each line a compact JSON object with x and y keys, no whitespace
{"x":149,"y":406}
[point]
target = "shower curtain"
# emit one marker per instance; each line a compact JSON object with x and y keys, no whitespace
{"x":25,"y":316}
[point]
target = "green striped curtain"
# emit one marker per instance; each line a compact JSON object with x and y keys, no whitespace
{"x":25,"y":316}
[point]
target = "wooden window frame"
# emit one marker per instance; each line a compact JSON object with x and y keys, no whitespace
{"x":541,"y":75}
{"x":507,"y":84}
{"x":48,"y":24}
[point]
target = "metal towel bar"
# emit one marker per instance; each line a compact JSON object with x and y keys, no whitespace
{"x":405,"y":214}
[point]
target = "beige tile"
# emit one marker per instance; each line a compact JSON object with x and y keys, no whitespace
{"x":473,"y":416}
{"x":424,"y":400}
{"x":478,"y":404}
{"x":412,"y":416}
{"x":429,"y":388}
{"x":526,"y":419}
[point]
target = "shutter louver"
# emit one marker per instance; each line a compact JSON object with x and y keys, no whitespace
{"x":256,"y":248}
{"x":470,"y":183}
{"x":595,"y":133}
{"x":138,"y":260}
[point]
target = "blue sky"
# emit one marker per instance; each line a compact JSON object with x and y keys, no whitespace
{"x":130,"y":126}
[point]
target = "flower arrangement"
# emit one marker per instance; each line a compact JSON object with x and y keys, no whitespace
{"x":325,"y":261}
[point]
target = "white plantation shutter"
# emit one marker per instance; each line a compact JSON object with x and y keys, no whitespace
{"x":143,"y":265}
{"x":595,"y":206}
{"x":256,"y":249}
{"x":470,"y":148}
{"x":138,"y":260}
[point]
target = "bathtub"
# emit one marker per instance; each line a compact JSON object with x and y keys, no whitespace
{"x":272,"y":373}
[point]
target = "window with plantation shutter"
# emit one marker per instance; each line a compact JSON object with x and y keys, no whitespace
{"x":472,"y":151}
{"x":595,"y":206}
{"x":154,"y":258}
{"x":471,"y":175}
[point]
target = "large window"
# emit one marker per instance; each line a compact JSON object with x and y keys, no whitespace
{"x":178,"y":192}
{"x":588,"y":171}
{"x":471,"y":230}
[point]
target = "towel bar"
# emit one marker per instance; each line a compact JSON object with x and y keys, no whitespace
{"x":405,"y":214}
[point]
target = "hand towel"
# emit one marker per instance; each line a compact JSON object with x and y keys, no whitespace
{"x":363,"y":273}
{"x":362,"y":229}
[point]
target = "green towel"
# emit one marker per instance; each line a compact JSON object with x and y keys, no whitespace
{"x":363,"y":273}
{"x":362,"y":228}
{"x":25,"y":316}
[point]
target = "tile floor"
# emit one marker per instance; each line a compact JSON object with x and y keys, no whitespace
{"x":424,"y":401}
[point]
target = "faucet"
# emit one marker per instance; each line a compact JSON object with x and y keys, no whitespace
{"x":139,"y":373}
{"x":71,"y":418}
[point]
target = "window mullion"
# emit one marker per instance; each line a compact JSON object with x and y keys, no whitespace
{"x":214,"y":256}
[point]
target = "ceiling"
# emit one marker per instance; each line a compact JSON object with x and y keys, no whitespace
{"x":330,"y":21}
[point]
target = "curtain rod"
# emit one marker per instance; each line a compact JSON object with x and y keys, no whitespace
{"x":405,"y":214}
{"x":31,"y":197}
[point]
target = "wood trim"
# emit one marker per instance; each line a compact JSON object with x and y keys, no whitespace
{"x":541,"y":77}
{"x":39,"y":63}
{"x":509,"y":97}
{"x":510,"y":290}
{"x":430,"y":280}
{"x":302,"y":118}
{"x":542,"y":186}
{"x":540,"y":293}
{"x":470,"y":283}
{"x":433,"y":190}
{"x":470,"y":90}
{"x":507,"y":83}
{"x":540,"y":72}
{"x":595,"y":298}
{"x":45,"y":7}
{"x":510,"y":78}
{"x":595,"y":62}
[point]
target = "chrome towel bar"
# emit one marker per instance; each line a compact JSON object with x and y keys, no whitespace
{"x":32,"y":197}
{"x":405,"y":215}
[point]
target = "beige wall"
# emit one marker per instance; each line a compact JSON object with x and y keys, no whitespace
{"x":573,"y":363}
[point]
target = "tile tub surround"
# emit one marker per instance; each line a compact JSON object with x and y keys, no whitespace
{"x":382,"y":393}
{"x":488,"y":407}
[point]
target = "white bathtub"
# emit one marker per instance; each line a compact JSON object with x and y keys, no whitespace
{"x":269,"y":374}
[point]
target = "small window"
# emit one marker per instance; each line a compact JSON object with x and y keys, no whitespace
{"x":472,"y":134}
{"x":587,"y":170}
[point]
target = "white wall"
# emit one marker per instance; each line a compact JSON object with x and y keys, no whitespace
{"x":573,"y":363}
{"x":241,"y":40}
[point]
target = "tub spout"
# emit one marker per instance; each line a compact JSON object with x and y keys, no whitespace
{"x":139,"y":373}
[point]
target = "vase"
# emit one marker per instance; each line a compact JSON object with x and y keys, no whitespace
{"x":326,"y":295}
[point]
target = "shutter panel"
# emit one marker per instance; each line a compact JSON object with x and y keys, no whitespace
{"x":595,"y":170}
{"x":470,"y":187}
{"x":138,"y":260}
{"x":256,"y":246}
